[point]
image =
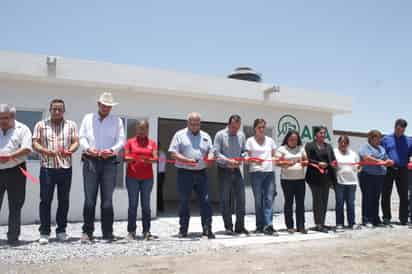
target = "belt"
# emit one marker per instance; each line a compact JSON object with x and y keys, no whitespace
{"x":193,"y":170}
{"x":98,"y":158}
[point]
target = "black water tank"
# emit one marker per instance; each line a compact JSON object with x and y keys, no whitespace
{"x":246,"y":74}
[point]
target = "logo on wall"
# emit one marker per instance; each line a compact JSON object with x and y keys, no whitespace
{"x":289,"y":122}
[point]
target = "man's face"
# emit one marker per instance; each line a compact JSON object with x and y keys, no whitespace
{"x":233,"y":127}
{"x":57,"y":111}
{"x":5,"y":120}
{"x":194,"y":124}
{"x":103,"y":109}
{"x":399,"y":131}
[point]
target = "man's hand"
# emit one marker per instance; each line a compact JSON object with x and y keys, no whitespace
{"x":106,"y":153}
{"x":92,"y":152}
{"x":389,"y":163}
{"x":49,"y":153}
{"x":4,"y":158}
{"x":231,"y":163}
{"x":323,"y":165}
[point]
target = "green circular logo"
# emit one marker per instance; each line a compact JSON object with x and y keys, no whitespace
{"x":287,"y":123}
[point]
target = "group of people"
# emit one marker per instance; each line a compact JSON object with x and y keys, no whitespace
{"x":102,"y":140}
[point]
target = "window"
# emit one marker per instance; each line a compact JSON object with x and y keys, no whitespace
{"x":130,"y":131}
{"x":30,"y":118}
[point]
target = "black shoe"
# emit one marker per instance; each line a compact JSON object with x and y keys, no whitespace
{"x":387,"y":223}
{"x":269,"y":230}
{"x":302,"y":230}
{"x":243,"y":231}
{"x":208,"y":234}
{"x":322,"y":229}
{"x":258,"y":231}
{"x":229,"y":232}
{"x":147,"y":236}
{"x":109,"y":238}
{"x":182,"y":234}
{"x":404,"y":223}
{"x":13,"y":242}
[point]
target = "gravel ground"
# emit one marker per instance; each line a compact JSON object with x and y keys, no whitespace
{"x":165,"y":228}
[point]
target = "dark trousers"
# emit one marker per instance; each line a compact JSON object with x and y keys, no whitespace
{"x":320,"y":197}
{"x":231,"y":181}
{"x":345,"y":194}
{"x":400,"y":175}
{"x":49,"y":179}
{"x":14,"y":182}
{"x":371,"y":187}
{"x":188,"y":180}
{"x":136,"y":188}
{"x":160,"y":182}
{"x":99,"y":173}
{"x":410,"y":194}
{"x":264,"y":192}
{"x":294,"y":190}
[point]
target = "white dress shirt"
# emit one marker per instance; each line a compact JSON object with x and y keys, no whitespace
{"x":17,"y":137}
{"x":102,"y":134}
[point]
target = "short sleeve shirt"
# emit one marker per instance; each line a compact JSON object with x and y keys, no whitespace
{"x":263,"y":151}
{"x":143,"y":148}
{"x":196,"y":147}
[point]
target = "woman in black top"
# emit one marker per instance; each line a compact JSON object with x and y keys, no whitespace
{"x":321,"y":154}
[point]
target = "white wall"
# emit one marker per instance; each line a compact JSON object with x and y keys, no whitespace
{"x":80,"y":101}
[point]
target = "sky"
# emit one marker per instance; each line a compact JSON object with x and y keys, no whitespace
{"x":361,"y":49}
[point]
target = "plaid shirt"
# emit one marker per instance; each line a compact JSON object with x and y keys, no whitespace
{"x":55,"y":137}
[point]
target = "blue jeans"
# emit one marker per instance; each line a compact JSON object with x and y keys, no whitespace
{"x":345,"y":194}
{"x":231,"y":180}
{"x":188,"y":180}
{"x":50,"y":178}
{"x":371,"y":187}
{"x":264,"y":192}
{"x":136,"y":187}
{"x":99,"y":173}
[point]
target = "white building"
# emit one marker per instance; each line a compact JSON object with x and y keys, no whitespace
{"x":30,"y":82}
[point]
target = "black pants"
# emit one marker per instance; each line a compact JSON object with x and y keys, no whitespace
{"x":231,"y":181}
{"x":320,"y":196}
{"x":400,"y":175}
{"x":160,"y":183}
{"x":99,"y":173}
{"x":371,"y":187}
{"x":14,"y":182}
{"x":50,"y":178}
{"x":294,"y":190}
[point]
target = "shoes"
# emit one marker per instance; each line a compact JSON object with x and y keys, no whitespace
{"x":13,"y":242}
{"x":258,"y":231}
{"x":229,"y":232}
{"x":387,"y":224}
{"x":339,"y":228}
{"x":303,"y":231}
{"x":86,"y":238}
{"x":243,"y":231}
{"x":355,"y":227}
{"x":270,"y":231}
{"x":44,"y":239}
{"x":321,"y":229}
{"x":208,"y":234}
{"x":182,"y":234}
{"x":147,"y":236}
{"x":291,"y":230}
{"x":61,"y":237}
{"x":131,"y":236}
{"x":109,"y":238}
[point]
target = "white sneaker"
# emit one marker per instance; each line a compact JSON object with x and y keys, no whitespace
{"x":61,"y":237}
{"x":44,"y":239}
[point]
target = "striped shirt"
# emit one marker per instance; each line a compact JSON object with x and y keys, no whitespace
{"x":55,"y":138}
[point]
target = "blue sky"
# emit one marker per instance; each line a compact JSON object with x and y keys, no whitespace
{"x":356,"y":48}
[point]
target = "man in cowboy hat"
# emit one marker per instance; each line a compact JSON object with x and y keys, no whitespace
{"x":101,"y":137}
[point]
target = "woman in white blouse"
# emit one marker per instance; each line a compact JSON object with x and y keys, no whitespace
{"x":261,"y":150}
{"x":292,"y":159}
{"x":347,"y":177}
